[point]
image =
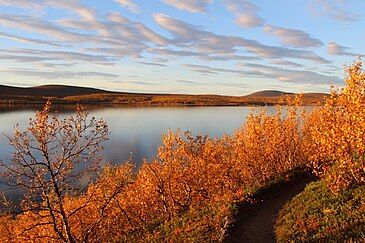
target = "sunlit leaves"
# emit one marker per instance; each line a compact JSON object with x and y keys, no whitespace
{"x":338,"y":133}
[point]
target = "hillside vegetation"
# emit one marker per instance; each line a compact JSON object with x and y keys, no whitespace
{"x":318,"y":215}
{"x":60,"y":94}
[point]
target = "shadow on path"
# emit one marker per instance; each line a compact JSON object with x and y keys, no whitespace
{"x":255,"y":221}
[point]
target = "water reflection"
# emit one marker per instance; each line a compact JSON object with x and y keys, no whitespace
{"x":135,"y":131}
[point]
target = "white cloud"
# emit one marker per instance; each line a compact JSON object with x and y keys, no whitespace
{"x":22,"y":55}
{"x":338,"y":50}
{"x":64,"y":74}
{"x":286,"y":63}
{"x":117,"y":36}
{"x":34,"y":24}
{"x":245,"y":12}
{"x":153,"y":64}
{"x":29,"y":40}
{"x":263,"y":71}
{"x":129,"y":4}
{"x":149,"y":34}
{"x":333,"y":9}
{"x":189,"y":5}
{"x":208,"y":43}
{"x":86,"y":13}
{"x":72,"y":5}
{"x":25,"y":4}
{"x":293,"y":37}
{"x":213,"y":70}
{"x":292,"y":76}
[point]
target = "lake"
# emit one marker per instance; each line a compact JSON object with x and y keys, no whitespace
{"x":137,"y":131}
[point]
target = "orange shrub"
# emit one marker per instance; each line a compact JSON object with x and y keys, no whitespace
{"x":338,"y":133}
{"x":269,"y":146}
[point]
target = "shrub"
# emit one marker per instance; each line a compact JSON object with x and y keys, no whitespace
{"x":269,"y":146}
{"x":338,"y":133}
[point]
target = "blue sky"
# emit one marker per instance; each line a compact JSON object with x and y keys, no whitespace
{"x":231,"y":47}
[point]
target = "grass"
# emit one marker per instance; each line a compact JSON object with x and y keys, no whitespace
{"x":319,"y":215}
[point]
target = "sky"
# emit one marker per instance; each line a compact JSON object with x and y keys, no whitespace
{"x":227,"y":47}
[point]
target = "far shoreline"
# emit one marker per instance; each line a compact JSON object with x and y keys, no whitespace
{"x":141,"y":105}
{"x":72,"y":95}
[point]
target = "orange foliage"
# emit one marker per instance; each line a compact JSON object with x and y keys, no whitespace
{"x":338,"y":133}
{"x":269,"y":146}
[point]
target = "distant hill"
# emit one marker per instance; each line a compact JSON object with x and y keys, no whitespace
{"x":48,"y":91}
{"x":73,"y":94}
{"x":274,"y":96}
{"x":269,"y":93}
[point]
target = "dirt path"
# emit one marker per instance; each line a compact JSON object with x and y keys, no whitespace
{"x":256,"y":221}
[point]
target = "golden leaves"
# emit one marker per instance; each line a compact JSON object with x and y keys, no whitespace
{"x":339,"y":133}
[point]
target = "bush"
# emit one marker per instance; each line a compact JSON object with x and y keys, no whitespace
{"x":338,"y":134}
{"x":319,"y":215}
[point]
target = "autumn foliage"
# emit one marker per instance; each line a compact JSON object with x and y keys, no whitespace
{"x":338,"y":133}
{"x":188,"y":192}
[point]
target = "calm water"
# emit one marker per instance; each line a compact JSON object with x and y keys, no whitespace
{"x":137,"y":131}
{"x":134,"y":131}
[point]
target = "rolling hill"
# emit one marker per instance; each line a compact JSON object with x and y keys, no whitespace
{"x":269,"y":93}
{"x":58,"y":91}
{"x":73,"y":94}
